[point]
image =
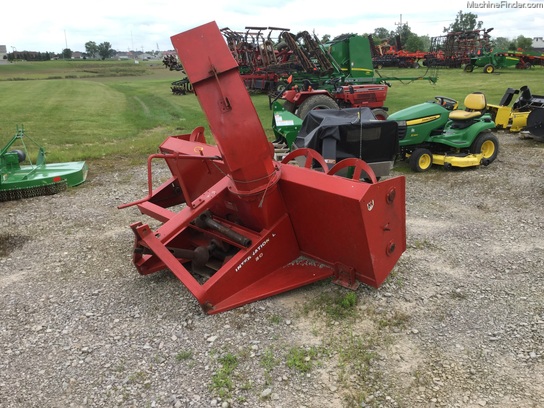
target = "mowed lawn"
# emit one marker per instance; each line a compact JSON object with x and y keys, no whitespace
{"x":119,"y":110}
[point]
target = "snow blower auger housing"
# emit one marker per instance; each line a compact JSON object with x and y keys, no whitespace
{"x":253,"y":227}
{"x":21,"y":178}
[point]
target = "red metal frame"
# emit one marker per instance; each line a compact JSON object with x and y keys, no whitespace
{"x":254,"y":227}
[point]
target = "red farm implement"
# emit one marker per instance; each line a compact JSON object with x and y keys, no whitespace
{"x":252,"y":227}
{"x":393,"y":55}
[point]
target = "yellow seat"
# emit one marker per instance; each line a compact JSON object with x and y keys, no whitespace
{"x":475,"y":105}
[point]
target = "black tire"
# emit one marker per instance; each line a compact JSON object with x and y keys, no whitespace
{"x":421,"y":160}
{"x":469,"y":68}
{"x":316,"y":102}
{"x":21,"y":155}
{"x":380,"y":114}
{"x":289,"y":106}
{"x":489,"y":69}
{"x":281,"y":86}
{"x":488,"y":144}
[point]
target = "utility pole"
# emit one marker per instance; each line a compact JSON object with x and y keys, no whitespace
{"x":65,"y":45}
{"x":400,"y":23}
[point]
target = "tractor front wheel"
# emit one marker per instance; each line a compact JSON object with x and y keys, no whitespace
{"x":469,"y":68}
{"x":489,"y":69}
{"x":486,"y":144}
{"x":316,"y":102}
{"x":421,"y":160}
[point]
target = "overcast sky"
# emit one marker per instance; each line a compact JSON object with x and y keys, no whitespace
{"x":52,"y":25}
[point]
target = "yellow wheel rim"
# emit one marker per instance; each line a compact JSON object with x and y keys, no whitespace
{"x":489,"y":70}
{"x":488,"y":148}
{"x":425,"y":161}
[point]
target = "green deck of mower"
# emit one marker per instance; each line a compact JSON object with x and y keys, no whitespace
{"x":21,"y":178}
{"x":436,"y":132}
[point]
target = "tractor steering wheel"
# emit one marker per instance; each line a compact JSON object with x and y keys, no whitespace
{"x":448,"y":103}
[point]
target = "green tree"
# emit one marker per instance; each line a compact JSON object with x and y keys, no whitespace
{"x":381,"y":33}
{"x":325,"y":39}
{"x":501,"y":43}
{"x":105,"y":51}
{"x":67,"y":53}
{"x":415,"y":43}
{"x":343,"y":36}
{"x":404,"y":32}
{"x":464,"y":22}
{"x":91,"y":48}
{"x":525,"y":43}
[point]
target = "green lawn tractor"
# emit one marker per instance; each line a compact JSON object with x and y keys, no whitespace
{"x":436,"y":132}
{"x":21,"y":178}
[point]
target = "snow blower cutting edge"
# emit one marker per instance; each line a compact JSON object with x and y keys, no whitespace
{"x":20,"y":178}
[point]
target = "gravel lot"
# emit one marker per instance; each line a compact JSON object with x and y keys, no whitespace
{"x":459,"y":323}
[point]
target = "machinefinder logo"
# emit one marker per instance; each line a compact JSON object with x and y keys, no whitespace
{"x":503,"y":4}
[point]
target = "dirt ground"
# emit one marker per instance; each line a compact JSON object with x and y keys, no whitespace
{"x":459,"y":322}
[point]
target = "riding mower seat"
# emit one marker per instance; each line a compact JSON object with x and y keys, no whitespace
{"x":475,"y":106}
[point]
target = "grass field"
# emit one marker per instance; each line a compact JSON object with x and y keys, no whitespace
{"x":108,"y":111}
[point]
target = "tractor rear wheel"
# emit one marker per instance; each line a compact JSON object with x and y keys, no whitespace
{"x":316,"y":102}
{"x":421,"y":160}
{"x":486,"y":144}
{"x":489,"y":69}
{"x":289,"y":106}
{"x":380,"y":114}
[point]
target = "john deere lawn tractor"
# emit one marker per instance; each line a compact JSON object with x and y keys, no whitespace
{"x":20,"y":177}
{"x":439,"y":133}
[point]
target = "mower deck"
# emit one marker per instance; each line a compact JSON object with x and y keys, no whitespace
{"x":19,"y":180}
{"x":31,"y":181}
{"x":470,"y":160}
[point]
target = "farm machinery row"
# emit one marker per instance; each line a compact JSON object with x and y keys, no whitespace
{"x":315,"y":75}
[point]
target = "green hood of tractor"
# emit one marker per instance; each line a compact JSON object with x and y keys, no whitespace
{"x":421,"y":121}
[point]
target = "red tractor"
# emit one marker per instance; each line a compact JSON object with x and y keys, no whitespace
{"x":303,"y":100}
